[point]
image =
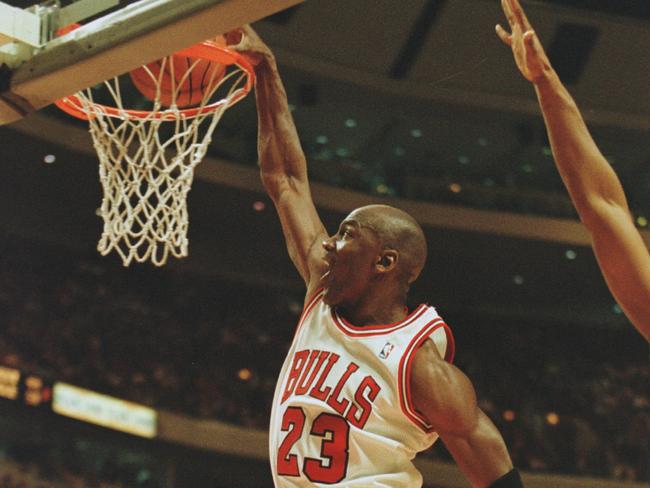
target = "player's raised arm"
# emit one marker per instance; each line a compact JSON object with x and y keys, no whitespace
{"x":594,"y":187}
{"x":283,"y":164}
{"x":446,"y":397}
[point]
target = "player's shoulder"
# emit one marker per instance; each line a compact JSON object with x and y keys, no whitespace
{"x":437,"y":334}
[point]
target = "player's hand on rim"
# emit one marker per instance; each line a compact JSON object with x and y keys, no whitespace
{"x":247,"y":42}
{"x":526,"y":47}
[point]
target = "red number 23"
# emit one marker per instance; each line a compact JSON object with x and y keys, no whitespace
{"x":334,"y":450}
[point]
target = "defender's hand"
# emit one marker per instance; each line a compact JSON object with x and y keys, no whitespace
{"x":526,"y":48}
{"x":246,"y":41}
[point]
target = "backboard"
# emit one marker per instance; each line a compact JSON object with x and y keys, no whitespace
{"x":119,"y":41}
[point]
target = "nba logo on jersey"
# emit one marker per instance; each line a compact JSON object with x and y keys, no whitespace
{"x":386,"y":350}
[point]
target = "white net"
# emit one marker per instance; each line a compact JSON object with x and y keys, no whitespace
{"x":147,"y":161}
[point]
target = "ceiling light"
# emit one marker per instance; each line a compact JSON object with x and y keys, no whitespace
{"x":462,"y":159}
{"x":325,"y":155}
{"x":322,"y":139}
{"x":570,"y":254}
{"x":416,"y":133}
{"x":482,"y":141}
{"x":342,"y":152}
{"x":350,"y":123}
{"x":552,"y":418}
{"x":508,"y":415}
{"x":617,"y":309}
{"x":399,"y":151}
{"x":642,"y":221}
{"x":244,"y":374}
{"x":49,"y":158}
{"x":518,"y":280}
{"x":382,"y":189}
{"x":546,"y":151}
{"x":455,"y":188}
{"x":258,"y":206}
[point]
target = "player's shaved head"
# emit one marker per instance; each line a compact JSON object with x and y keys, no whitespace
{"x":399,"y":231}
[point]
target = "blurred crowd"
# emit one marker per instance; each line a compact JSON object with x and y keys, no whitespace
{"x":15,"y":474}
{"x":567,"y":401}
{"x":74,"y":465}
{"x":428,"y":183}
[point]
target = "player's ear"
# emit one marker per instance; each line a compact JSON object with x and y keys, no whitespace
{"x":387,"y":260}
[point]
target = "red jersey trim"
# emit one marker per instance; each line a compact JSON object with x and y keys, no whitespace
{"x":404,"y":371}
{"x":311,"y":303}
{"x":375,"y":330}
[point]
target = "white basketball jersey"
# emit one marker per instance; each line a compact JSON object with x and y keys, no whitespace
{"x":342,"y":412}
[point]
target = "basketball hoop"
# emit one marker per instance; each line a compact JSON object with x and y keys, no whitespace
{"x":145,"y":173}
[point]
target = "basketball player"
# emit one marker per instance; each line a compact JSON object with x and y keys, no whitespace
{"x":594,"y":187}
{"x":366,"y":383}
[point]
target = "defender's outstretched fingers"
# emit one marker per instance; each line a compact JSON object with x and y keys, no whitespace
{"x":529,"y":38}
{"x":520,"y":15}
{"x":535,"y":56}
{"x":503,"y":35}
{"x":505,"y":6}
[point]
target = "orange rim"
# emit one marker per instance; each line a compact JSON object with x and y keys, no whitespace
{"x":208,"y":50}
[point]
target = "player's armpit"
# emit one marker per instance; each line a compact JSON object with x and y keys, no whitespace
{"x":446,"y":397}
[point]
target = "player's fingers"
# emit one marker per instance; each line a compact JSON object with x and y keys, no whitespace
{"x":503,"y":35}
{"x":234,"y":36}
{"x":249,"y":31}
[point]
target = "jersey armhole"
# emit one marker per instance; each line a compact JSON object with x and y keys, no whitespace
{"x":450,"y":351}
{"x":404,"y":371}
{"x":310,"y":298}
{"x":310,"y":303}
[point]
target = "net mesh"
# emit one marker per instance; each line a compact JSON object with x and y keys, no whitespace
{"x":147,"y":161}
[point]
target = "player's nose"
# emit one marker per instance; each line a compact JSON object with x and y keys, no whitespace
{"x":328,"y":244}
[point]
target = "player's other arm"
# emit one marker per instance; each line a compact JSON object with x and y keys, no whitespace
{"x":592,"y":183}
{"x":446,"y":397}
{"x":283,"y":164}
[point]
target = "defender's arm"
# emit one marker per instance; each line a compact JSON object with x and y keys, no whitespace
{"x":599,"y":198}
{"x":592,"y":183}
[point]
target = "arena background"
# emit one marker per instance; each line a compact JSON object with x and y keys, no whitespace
{"x":411,"y":103}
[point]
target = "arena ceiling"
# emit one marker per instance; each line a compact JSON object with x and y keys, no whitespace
{"x":384,"y":83}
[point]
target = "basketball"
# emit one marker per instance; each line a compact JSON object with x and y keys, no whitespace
{"x":189,"y":77}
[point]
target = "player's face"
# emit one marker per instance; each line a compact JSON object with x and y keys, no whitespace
{"x":351,"y":255}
